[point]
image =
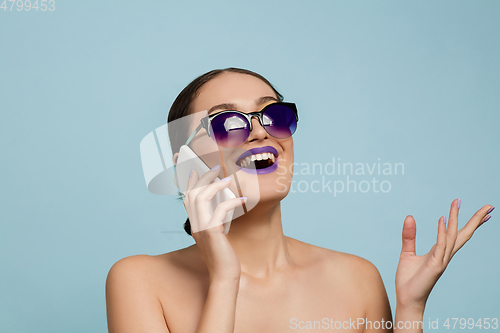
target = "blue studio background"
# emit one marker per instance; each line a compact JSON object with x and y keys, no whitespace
{"x":392,"y":82}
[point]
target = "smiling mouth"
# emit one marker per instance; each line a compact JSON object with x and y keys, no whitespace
{"x":257,"y":161}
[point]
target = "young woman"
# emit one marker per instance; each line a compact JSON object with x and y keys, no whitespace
{"x":255,"y":279}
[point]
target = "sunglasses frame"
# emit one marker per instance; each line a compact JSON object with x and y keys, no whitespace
{"x":205,"y":121}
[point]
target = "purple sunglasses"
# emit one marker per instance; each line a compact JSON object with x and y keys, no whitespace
{"x":232,"y":128}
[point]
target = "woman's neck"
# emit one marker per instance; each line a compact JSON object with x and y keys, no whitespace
{"x":258,"y":240}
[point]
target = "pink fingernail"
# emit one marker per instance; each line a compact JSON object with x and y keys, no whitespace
{"x":458,"y":203}
{"x":226,"y":179}
{"x":487,"y":218}
{"x":243,"y":198}
{"x":444,"y":220}
{"x":490,"y":210}
{"x":215,"y":168}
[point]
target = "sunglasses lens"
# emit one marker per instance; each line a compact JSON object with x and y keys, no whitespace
{"x":229,"y":129}
{"x":280,"y":121}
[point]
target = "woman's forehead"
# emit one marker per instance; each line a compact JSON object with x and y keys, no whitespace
{"x":241,"y":90}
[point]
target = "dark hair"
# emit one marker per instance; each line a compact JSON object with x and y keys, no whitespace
{"x":183,"y":103}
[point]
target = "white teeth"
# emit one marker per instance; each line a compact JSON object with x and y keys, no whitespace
{"x":257,"y":157}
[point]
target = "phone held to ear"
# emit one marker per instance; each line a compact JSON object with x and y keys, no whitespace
{"x":187,"y":161}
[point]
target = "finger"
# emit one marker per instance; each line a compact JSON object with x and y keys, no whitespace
{"x":198,"y":207}
{"x":209,"y":191}
{"x":468,"y":230}
{"x":224,"y":207}
{"x":486,"y":218}
{"x":188,"y":197}
{"x":451,"y":233}
{"x":409,"y":234}
{"x":193,"y":178}
{"x":220,"y":213}
{"x":440,"y":249}
{"x":203,"y":198}
{"x":202,"y":182}
{"x":208,"y":177}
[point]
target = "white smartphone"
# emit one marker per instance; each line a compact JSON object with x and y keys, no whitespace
{"x":187,"y":161}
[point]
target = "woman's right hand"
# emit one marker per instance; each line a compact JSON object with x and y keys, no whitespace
{"x":208,"y":230}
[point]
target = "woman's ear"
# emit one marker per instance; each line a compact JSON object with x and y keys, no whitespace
{"x":174,"y":158}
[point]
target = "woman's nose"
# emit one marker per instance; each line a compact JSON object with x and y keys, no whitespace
{"x":258,"y":132}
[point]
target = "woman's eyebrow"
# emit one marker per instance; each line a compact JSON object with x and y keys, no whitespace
{"x":223,"y":106}
{"x":232,"y":106}
{"x":265,"y":99}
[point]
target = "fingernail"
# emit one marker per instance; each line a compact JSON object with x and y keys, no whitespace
{"x":458,"y":203}
{"x":490,"y":210}
{"x":487,"y":218}
{"x":215,"y":168}
{"x":226,"y":179}
{"x":190,"y":173}
{"x":444,"y":220}
{"x":243,"y":198}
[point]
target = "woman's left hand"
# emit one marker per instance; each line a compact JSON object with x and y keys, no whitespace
{"x":417,"y":275}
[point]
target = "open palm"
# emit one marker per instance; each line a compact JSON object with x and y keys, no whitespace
{"x":417,"y":275}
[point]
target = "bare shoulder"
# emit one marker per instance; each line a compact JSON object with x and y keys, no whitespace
{"x":152,"y":271}
{"x":182,"y":259}
{"x":131,"y":287}
{"x":134,"y":266}
{"x":131,"y":276}
{"x":130,"y":268}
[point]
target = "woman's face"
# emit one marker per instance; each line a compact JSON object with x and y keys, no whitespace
{"x":245,"y":93}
